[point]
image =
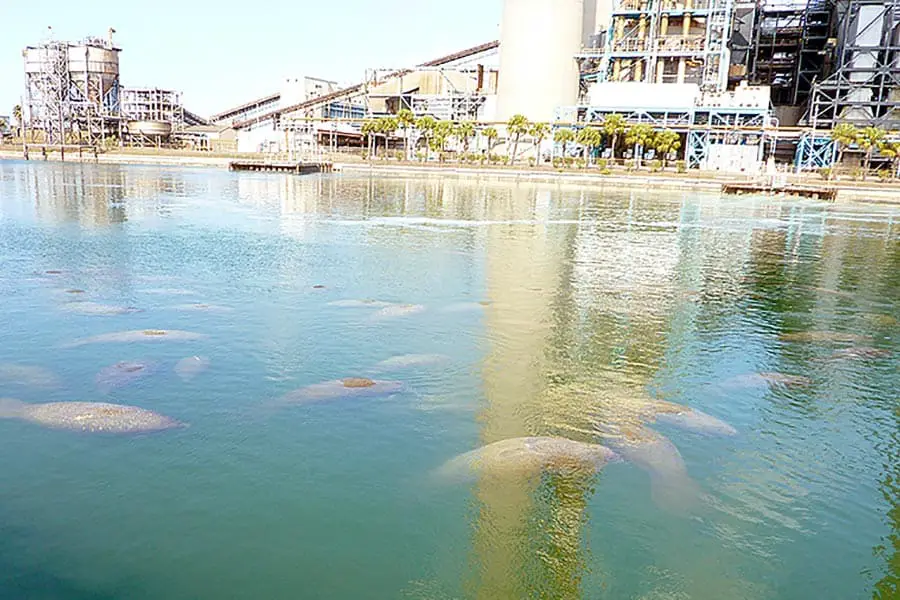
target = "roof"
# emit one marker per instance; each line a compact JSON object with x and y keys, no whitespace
{"x":360,"y":87}
{"x":243,"y":107}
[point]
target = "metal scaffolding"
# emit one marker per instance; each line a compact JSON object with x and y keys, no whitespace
{"x":72,"y":90}
{"x":864,"y":87}
{"x":664,"y":41}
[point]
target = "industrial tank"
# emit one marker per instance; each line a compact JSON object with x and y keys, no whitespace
{"x":538,"y":43}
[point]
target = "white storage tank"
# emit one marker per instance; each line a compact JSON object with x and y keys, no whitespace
{"x":538,"y":43}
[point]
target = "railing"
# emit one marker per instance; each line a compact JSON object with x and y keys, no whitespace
{"x":630,"y":45}
{"x":681,"y":43}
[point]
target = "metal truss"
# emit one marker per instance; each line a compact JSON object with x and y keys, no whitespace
{"x":865,"y":87}
{"x":814,"y":151}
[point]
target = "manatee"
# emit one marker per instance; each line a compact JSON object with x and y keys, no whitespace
{"x":360,"y":304}
{"x":74,"y":291}
{"x":139,"y":335}
{"x":28,"y":375}
{"x":352,"y":387}
{"x":825,"y":336}
{"x":190,"y":367}
{"x":409,"y":360}
{"x":123,"y":373}
{"x":768,"y":378}
{"x":200,"y":307}
{"x":398,"y":310}
{"x":93,"y":308}
{"x":528,"y":457}
{"x":671,"y":485}
{"x":687,"y":418}
{"x":863,"y":352}
{"x":89,"y":417}
{"x":464,"y":307}
{"x":170,"y":292}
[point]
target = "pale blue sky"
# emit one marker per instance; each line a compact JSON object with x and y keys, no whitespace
{"x":222,"y":53}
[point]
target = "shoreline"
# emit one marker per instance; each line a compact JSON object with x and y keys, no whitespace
{"x":862,"y":192}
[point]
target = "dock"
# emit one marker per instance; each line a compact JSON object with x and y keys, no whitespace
{"x":296,"y":168}
{"x":799,"y":191}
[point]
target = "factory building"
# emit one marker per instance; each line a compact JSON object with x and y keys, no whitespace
{"x":73,"y":94}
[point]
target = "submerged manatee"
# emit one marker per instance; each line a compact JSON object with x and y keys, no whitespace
{"x":825,"y":336}
{"x":123,"y":373}
{"x":861,"y":352}
{"x":352,"y":387}
{"x":201,"y":307}
{"x":28,"y":375}
{"x":93,"y":308}
{"x":398,"y":310}
{"x":90,"y":417}
{"x":687,"y":418}
{"x":528,"y":457}
{"x":768,"y":378}
{"x":406,"y":361}
{"x":671,"y":485}
{"x":139,"y":335}
{"x":360,"y":304}
{"x":190,"y":367}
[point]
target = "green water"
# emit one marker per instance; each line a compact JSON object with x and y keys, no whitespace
{"x":552,"y":304}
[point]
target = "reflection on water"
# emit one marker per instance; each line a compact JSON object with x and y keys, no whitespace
{"x":648,"y":322}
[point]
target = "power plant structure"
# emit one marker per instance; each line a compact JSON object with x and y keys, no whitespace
{"x":73,"y":87}
{"x":741,"y":81}
{"x":73,"y":93}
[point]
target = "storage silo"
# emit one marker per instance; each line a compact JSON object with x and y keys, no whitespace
{"x":538,"y":71}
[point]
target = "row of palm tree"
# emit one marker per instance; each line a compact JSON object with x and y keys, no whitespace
{"x":437,"y":133}
{"x":870,"y":140}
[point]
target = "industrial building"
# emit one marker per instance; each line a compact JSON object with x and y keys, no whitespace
{"x":73,"y":94}
{"x":741,"y":81}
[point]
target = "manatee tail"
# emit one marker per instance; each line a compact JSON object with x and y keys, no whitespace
{"x":678,"y":495}
{"x":10,"y":408}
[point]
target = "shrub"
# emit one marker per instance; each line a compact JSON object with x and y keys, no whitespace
{"x":605,"y":171}
{"x":603,"y":164}
{"x":825,"y":173}
{"x":504,"y":159}
{"x":681,"y":166}
{"x":857,"y":173}
{"x":884,"y":175}
{"x":569,"y":161}
{"x":580,"y":163}
{"x":656,"y":165}
{"x":557,"y":162}
{"x":630,"y":164}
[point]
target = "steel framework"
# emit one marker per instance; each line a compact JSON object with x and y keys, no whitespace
{"x":640,"y":45}
{"x":702,"y":126}
{"x":63,"y":102}
{"x":864,"y":88}
{"x":814,"y":151}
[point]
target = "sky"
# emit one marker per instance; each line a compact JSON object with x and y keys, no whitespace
{"x":223,"y":53}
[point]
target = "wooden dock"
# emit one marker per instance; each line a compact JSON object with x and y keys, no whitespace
{"x":296,"y":168}
{"x":799,"y":191}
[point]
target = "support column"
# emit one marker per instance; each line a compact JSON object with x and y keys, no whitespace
{"x":682,"y":69}
{"x":660,"y":70}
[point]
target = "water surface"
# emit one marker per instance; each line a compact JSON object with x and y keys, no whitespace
{"x":548,"y":305}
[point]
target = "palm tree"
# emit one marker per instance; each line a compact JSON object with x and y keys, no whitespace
{"x":891,"y":150}
{"x":640,"y":136}
{"x":564,"y":137}
{"x":442,"y":131}
{"x":869,"y":140}
{"x":369,"y":129}
{"x":464,"y":132}
{"x":405,"y":120}
{"x":426,"y":125}
{"x":387,"y":126}
{"x":666,"y":142}
{"x":538,"y":131}
{"x":613,"y":126}
{"x":844,"y":135}
{"x":517,"y":126}
{"x":589,"y":138}
{"x":3,"y":126}
{"x":17,"y":115}
{"x":491,"y":135}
